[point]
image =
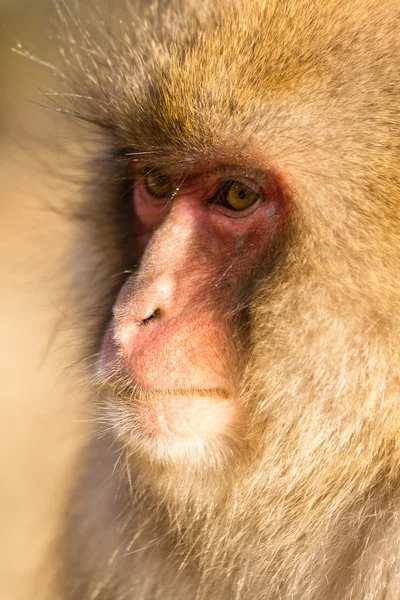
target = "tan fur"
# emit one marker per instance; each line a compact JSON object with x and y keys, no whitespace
{"x":306,"y":504}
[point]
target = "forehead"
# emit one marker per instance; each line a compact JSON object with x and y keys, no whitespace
{"x":203,"y":83}
{"x":220,"y":88}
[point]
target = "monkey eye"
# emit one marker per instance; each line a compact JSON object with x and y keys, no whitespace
{"x":236,"y":196}
{"x":158,"y":184}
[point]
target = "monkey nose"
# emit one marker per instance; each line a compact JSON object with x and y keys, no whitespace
{"x":138,"y":305}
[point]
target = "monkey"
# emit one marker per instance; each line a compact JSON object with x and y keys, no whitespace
{"x":241,"y":231}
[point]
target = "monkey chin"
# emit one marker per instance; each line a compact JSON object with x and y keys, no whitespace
{"x":171,"y":425}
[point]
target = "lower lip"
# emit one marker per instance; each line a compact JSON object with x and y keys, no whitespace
{"x":185,"y":415}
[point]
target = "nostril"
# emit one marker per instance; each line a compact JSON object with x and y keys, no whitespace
{"x":153,"y":315}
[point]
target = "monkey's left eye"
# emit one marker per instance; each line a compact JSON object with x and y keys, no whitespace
{"x":237,"y":196}
{"x":158,"y":184}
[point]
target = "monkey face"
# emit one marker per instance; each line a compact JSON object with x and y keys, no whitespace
{"x":175,"y":347}
{"x":249,"y":359}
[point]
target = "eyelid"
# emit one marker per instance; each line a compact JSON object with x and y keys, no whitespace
{"x":250,"y":183}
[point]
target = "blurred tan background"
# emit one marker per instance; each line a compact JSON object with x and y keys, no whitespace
{"x":39,"y":405}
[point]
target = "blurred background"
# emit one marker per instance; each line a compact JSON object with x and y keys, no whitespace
{"x":40,"y":406}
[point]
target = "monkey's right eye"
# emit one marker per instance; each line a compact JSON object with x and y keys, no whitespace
{"x":158,"y":184}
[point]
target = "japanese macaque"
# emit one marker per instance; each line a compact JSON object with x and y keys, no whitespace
{"x":243,"y":247}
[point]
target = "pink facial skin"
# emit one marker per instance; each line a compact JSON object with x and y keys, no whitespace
{"x":173,"y":321}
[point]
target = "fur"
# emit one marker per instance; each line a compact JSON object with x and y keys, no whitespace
{"x":306,"y":503}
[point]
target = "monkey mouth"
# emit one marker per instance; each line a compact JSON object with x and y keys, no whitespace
{"x":175,"y":413}
{"x":181,"y":392}
{"x":123,"y":389}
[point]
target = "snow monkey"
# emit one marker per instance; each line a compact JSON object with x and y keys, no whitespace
{"x":242,"y":236}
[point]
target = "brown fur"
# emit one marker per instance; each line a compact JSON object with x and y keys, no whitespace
{"x":306,"y":504}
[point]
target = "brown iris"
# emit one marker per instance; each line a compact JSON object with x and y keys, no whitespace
{"x":237,"y":196}
{"x":158,"y":184}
